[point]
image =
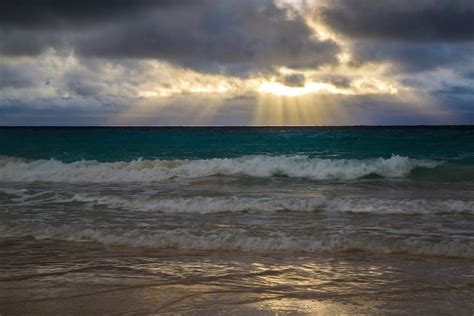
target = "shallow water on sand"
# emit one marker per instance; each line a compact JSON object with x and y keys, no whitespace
{"x":64,"y":277}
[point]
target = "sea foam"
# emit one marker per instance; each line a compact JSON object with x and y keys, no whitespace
{"x":239,"y":240}
{"x":233,"y":204}
{"x":159,"y":170}
{"x":203,"y":205}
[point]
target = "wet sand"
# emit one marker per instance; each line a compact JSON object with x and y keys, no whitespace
{"x":50,"y":277}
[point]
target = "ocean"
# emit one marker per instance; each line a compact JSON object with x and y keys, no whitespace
{"x":237,"y":220}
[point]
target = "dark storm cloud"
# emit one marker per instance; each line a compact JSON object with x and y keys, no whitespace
{"x":42,"y":14}
{"x":18,"y":43}
{"x":402,"y":20}
{"x":224,"y":33}
{"x":215,"y":36}
{"x":415,"y":57}
{"x":414,"y":36}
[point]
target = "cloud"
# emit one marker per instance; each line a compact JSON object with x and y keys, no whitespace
{"x":402,"y":20}
{"x":50,"y":14}
{"x":210,"y":36}
{"x":413,"y":36}
{"x":295,"y":80}
{"x":176,"y":62}
{"x":15,"y":77}
{"x":415,"y":57}
{"x":459,"y":90}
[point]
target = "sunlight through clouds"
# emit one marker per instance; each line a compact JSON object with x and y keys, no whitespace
{"x":290,"y":59}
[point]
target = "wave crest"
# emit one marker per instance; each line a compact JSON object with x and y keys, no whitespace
{"x":52,"y":170}
{"x":203,"y":205}
{"x":232,"y":204}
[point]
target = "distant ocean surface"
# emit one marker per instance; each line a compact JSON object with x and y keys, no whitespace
{"x":262,"y":191}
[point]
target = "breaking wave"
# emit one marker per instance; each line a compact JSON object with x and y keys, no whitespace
{"x":231,"y":204}
{"x":201,"y":204}
{"x":239,"y":240}
{"x":17,"y":169}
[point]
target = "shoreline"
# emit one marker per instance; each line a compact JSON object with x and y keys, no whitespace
{"x":89,"y":278}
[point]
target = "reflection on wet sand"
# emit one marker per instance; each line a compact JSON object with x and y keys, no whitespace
{"x":61,"y":277}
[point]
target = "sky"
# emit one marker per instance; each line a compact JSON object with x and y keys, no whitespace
{"x":236,"y":62}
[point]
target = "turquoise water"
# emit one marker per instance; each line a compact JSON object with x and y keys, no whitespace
{"x":454,"y":144}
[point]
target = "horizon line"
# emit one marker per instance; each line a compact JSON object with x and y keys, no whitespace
{"x":232,"y":126}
